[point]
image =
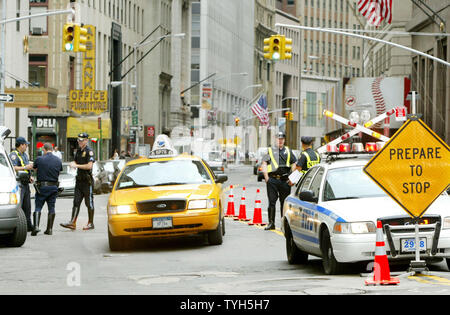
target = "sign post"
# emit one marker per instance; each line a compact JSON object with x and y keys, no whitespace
{"x":413,"y":168}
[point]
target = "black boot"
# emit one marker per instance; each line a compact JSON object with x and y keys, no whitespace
{"x":36,"y":220}
{"x":73,"y":221}
{"x":90,"y":225}
{"x":50,"y":220}
{"x":271,"y":225}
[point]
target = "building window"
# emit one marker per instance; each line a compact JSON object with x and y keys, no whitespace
{"x":311,"y":101}
{"x":38,"y":25}
{"x":37,"y":70}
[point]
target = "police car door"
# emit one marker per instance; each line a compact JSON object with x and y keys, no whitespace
{"x":302,"y":210}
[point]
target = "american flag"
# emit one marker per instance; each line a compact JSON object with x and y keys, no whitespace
{"x":260,"y":109}
{"x":375,"y":11}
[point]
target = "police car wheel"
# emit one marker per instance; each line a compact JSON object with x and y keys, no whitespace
{"x":330,"y":265}
{"x":448,"y":263}
{"x":17,"y":239}
{"x":293,"y":253}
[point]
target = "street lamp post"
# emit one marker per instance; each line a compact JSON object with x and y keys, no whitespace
{"x":136,"y":91}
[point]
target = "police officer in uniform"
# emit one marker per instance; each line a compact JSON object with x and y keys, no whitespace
{"x":20,"y":161}
{"x":84,"y":161}
{"x":276,"y":167}
{"x":48,"y":167}
{"x":309,"y":157}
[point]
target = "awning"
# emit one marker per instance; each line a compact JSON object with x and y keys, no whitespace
{"x":77,"y":125}
{"x":33,"y":97}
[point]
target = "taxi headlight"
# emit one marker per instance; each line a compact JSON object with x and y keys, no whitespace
{"x":202,"y":204}
{"x":8,"y":199}
{"x":446,"y":224}
{"x":354,"y":228}
{"x":122,"y":209}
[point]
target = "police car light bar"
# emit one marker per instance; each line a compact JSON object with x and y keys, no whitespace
{"x":360,"y":128}
{"x":376,"y":120}
{"x":350,"y":134}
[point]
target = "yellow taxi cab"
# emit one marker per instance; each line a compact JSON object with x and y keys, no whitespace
{"x":165,"y":195}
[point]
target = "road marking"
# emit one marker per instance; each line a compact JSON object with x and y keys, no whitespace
{"x":437,"y":280}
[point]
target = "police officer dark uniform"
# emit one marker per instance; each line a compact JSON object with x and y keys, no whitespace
{"x":48,"y":167}
{"x":20,"y":161}
{"x":309,"y":157}
{"x":276,"y":167}
{"x":84,"y":160}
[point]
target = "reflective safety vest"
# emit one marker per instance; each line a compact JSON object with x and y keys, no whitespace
{"x":273,"y":166}
{"x":21,"y":160}
{"x":310,"y":163}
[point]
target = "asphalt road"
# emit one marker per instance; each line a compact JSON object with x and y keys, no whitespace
{"x":250,"y":261}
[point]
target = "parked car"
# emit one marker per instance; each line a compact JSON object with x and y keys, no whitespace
{"x":101,"y":182}
{"x":257,"y":167}
{"x":13,"y":223}
{"x":215,"y":161}
{"x":112,"y":169}
{"x":67,"y":180}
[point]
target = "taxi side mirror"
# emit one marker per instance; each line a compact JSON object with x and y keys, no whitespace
{"x":221,"y":178}
{"x":308,"y":195}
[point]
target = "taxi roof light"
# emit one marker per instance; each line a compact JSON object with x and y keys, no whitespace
{"x":163,"y":147}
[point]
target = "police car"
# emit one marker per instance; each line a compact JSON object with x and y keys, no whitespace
{"x":333,"y":210}
{"x":13,"y":224}
{"x":165,"y":195}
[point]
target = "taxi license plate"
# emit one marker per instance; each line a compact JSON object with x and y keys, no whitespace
{"x":162,"y":223}
{"x":409,"y":244}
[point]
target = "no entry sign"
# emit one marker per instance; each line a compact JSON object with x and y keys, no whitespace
{"x":413,"y":167}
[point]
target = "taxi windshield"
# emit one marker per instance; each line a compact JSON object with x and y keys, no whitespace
{"x":173,"y":172}
{"x":350,"y":183}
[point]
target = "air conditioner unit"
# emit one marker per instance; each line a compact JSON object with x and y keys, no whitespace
{"x":36,"y":31}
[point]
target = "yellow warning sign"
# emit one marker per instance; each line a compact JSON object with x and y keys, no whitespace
{"x":413,"y":167}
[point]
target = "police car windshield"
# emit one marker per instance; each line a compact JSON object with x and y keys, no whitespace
{"x":174,"y":172}
{"x":5,"y":170}
{"x":350,"y":183}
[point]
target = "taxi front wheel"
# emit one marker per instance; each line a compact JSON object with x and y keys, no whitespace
{"x":117,"y":243}
{"x":216,"y":237}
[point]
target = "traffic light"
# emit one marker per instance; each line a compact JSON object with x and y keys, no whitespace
{"x":236,"y":121}
{"x":287,"y":48}
{"x":289,"y":115}
{"x":272,"y":47}
{"x":268,"y":48}
{"x":68,"y":37}
{"x":80,"y":38}
{"x":276,"y":47}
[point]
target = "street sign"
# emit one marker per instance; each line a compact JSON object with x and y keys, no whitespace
{"x":7,"y":98}
{"x":134,"y":118}
{"x":126,"y":108}
{"x":413,"y":168}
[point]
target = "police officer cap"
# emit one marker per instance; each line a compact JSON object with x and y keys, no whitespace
{"x":307,"y":140}
{"x":83,"y":136}
{"x":21,"y":140}
{"x":281,"y":135}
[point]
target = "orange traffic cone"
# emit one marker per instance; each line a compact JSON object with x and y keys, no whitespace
{"x":257,"y":213}
{"x":381,"y":271}
{"x":242,"y":209}
{"x":230,"y":208}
